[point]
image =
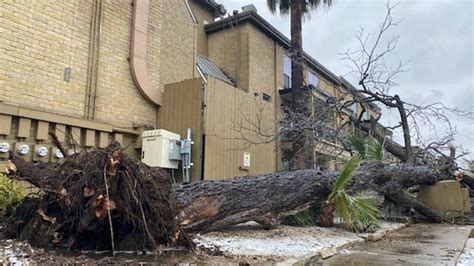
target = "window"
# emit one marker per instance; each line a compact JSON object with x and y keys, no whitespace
{"x":354,"y":109}
{"x":366,"y":114}
{"x":286,"y":72}
{"x":313,"y":79}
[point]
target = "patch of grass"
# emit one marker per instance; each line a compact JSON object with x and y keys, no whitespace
{"x":11,"y":195}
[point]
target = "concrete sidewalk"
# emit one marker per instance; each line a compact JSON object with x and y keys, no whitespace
{"x":418,"y":244}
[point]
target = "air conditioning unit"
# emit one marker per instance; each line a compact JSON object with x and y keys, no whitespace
{"x":159,"y":148}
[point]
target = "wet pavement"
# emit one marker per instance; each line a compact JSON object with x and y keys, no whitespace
{"x":417,"y":244}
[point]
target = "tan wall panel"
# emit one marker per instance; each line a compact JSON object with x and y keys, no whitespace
{"x":42,"y":132}
{"x":90,"y":138}
{"x":226,"y":108}
{"x":5,"y":124}
{"x":103,"y":139}
{"x":24,"y":128}
{"x":182,"y":110}
{"x":119,"y":138}
{"x":61,"y":132}
{"x":76,"y":136}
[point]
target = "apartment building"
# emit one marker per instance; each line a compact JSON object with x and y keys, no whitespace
{"x":99,"y":71}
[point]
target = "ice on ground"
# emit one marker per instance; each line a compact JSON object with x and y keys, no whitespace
{"x":250,"y":239}
{"x":467,"y":255}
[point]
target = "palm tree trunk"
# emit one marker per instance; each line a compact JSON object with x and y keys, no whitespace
{"x":326,"y":217}
{"x":302,"y":157}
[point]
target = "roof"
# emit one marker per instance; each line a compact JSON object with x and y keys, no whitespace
{"x":253,"y":17}
{"x":217,"y":8}
{"x":209,"y":69}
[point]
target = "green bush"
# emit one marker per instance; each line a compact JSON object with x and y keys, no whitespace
{"x":11,"y":195}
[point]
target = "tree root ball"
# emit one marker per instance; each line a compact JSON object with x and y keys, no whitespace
{"x":96,"y":200}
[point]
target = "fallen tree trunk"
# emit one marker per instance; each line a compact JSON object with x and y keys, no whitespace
{"x":104,"y":195}
{"x":207,"y":206}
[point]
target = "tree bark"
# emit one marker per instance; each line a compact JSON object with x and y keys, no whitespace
{"x":207,"y":206}
{"x":406,"y":131}
{"x":211,"y":205}
{"x":302,"y":146}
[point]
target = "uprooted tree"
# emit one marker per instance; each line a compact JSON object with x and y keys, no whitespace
{"x":103,"y":199}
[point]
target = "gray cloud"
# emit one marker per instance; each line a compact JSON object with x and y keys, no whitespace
{"x":436,"y":36}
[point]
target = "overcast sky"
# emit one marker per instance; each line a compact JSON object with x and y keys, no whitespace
{"x":436,"y":36}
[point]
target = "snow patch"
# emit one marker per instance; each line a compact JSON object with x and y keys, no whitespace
{"x":285,"y":241}
{"x":467,"y":255}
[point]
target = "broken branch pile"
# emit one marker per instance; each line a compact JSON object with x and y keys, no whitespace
{"x":96,"y":200}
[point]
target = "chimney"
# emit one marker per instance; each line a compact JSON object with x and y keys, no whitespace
{"x":249,"y":8}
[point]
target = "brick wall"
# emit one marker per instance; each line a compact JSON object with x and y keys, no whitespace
{"x":177,"y":56}
{"x":42,"y":38}
{"x":229,"y":50}
{"x":39,"y":40}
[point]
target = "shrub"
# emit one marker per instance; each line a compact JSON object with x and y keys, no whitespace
{"x":11,"y":195}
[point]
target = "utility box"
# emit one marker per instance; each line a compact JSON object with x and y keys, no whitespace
{"x":157,"y":146}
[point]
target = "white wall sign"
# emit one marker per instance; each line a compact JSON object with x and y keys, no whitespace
{"x":246,"y":159}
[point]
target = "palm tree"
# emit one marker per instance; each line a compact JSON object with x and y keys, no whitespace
{"x":297,"y":8}
{"x":355,"y":213}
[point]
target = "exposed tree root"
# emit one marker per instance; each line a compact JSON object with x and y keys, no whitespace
{"x":91,"y":193}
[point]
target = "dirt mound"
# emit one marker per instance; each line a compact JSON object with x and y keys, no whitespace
{"x":96,"y":200}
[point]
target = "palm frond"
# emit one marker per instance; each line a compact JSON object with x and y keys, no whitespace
{"x":304,"y":218}
{"x":392,"y":209}
{"x":357,"y":141}
{"x":345,"y":176}
{"x":356,"y":214}
{"x":272,"y":5}
{"x":375,"y":149}
{"x":284,"y":6}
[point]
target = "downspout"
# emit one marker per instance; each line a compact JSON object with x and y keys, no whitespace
{"x":138,"y":53}
{"x":93,"y":61}
{"x":277,"y":107}
{"x":96,"y":72}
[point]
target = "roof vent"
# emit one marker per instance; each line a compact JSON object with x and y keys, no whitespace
{"x":249,"y":8}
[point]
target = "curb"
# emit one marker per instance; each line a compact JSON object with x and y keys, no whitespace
{"x":334,"y":250}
